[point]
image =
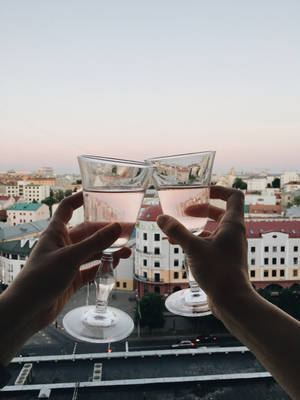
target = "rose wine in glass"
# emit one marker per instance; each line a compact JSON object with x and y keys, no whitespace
{"x":183,"y":182}
{"x":113,"y":191}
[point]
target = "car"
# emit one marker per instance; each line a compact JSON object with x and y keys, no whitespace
{"x":184,"y":343}
{"x":205,"y":339}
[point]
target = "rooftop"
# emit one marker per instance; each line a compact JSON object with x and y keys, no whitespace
{"x":25,"y":207}
{"x":20,"y":230}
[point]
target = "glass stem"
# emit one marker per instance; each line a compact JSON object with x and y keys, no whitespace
{"x":194,"y":287}
{"x":104,"y":282}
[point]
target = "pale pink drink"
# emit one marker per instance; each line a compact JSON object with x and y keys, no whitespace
{"x":176,"y":202}
{"x":107,"y":207}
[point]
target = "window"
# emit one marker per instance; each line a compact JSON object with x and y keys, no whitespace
{"x":184,"y":275}
{"x":175,"y":275}
{"x":118,"y":284}
{"x":252,"y":274}
{"x":157,"y":289}
{"x":156,"y":264}
{"x":274,"y":249}
{"x":124,"y":285}
{"x":157,"y":277}
{"x":22,"y":265}
{"x":266,"y":261}
{"x":14,"y":257}
{"x":295,"y":272}
{"x":145,"y":249}
{"x":295,"y":259}
{"x":282,"y":272}
{"x":266,"y":273}
{"x":157,"y":237}
{"x":274,"y":261}
{"x":156,"y":250}
{"x":252,"y":249}
{"x":274,"y":272}
{"x":145,"y":275}
{"x":266,"y":249}
{"x":282,"y":248}
{"x":282,"y":261}
{"x":295,"y":248}
{"x":144,"y":236}
{"x":176,"y":263}
{"x":145,"y":262}
{"x":252,"y":261}
{"x":176,"y":250}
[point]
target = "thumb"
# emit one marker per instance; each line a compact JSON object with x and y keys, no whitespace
{"x":176,"y":231}
{"x":96,"y":243}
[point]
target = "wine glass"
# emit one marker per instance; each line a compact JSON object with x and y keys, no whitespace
{"x":183,"y":181}
{"x":113,"y":191}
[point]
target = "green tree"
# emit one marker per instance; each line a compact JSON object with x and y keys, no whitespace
{"x":239,"y":184}
{"x":49,"y":201}
{"x":297,"y":201}
{"x":59,"y":196}
{"x":149,"y":311}
{"x":68,"y":193}
{"x":276,"y":183}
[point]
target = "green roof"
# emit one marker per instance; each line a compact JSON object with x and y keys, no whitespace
{"x":25,"y":206}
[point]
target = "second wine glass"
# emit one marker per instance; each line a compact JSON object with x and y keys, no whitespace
{"x":113,"y":191}
{"x":183,"y":181}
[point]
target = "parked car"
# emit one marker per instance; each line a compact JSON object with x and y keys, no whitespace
{"x":184,"y":343}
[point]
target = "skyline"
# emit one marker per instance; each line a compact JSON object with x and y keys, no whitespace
{"x":135,"y":80}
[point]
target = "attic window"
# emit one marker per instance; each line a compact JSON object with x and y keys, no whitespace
{"x":293,"y":231}
{"x":274,"y":236}
{"x":282,"y":230}
{"x":148,"y":216}
{"x":261,"y":230}
{"x":251,"y":231}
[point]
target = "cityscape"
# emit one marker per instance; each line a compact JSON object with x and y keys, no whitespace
{"x":272,"y":218}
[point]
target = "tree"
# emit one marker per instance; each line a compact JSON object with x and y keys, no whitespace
{"x":68,"y":193}
{"x":239,"y":184}
{"x":297,"y":200}
{"x":59,"y":196}
{"x":276,"y":183}
{"x":149,"y":311}
{"x":49,"y":201}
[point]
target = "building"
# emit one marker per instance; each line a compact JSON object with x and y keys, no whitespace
{"x":13,"y":255}
{"x":273,"y":254}
{"x":257,"y":184}
{"x":124,"y":273}
{"x":288,"y":176}
{"x":23,"y":231}
{"x":20,"y":213}
{"x":29,"y":192}
{"x":159,"y":266}
{"x":275,"y":209}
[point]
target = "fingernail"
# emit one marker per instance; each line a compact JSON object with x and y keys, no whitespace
{"x":161,"y":220}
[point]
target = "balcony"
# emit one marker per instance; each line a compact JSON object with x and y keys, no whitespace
{"x":143,"y":279}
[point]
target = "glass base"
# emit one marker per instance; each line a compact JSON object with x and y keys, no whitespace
{"x":82,"y":325}
{"x":186,"y":303}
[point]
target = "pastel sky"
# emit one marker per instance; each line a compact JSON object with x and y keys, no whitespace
{"x":141,"y":78}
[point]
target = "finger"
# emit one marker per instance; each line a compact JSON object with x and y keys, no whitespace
{"x":234,"y":199}
{"x":84,"y":230}
{"x":176,"y":231}
{"x":66,"y":207}
{"x":205,"y":234}
{"x":205,"y":210}
{"x":95,"y":244}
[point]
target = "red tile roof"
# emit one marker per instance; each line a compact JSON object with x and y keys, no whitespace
{"x":254,"y":229}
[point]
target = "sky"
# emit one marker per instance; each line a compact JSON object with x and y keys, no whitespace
{"x":136,"y":79}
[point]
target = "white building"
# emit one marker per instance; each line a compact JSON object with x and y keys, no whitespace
{"x":13,"y":255}
{"x":28,"y":191}
{"x":256,"y":184}
{"x":21,"y":213}
{"x":289,"y":176}
{"x":264,"y":198}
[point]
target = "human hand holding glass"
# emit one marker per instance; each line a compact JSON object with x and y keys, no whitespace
{"x":113,"y":192}
{"x":182,"y":182}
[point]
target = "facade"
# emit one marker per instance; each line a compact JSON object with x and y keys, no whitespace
{"x":289,"y":176}
{"x":263,"y":198}
{"x":124,"y":273}
{"x":28,"y":191}
{"x":159,"y":266}
{"x":21,"y":213}
{"x":273,"y":254}
{"x":257,"y":184}
{"x":13,"y":255}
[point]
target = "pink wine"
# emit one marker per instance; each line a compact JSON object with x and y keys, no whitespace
{"x":181,"y":202}
{"x":108,"y":207}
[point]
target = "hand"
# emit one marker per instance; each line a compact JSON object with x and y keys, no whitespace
{"x":218,"y":260}
{"x":52,"y":275}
